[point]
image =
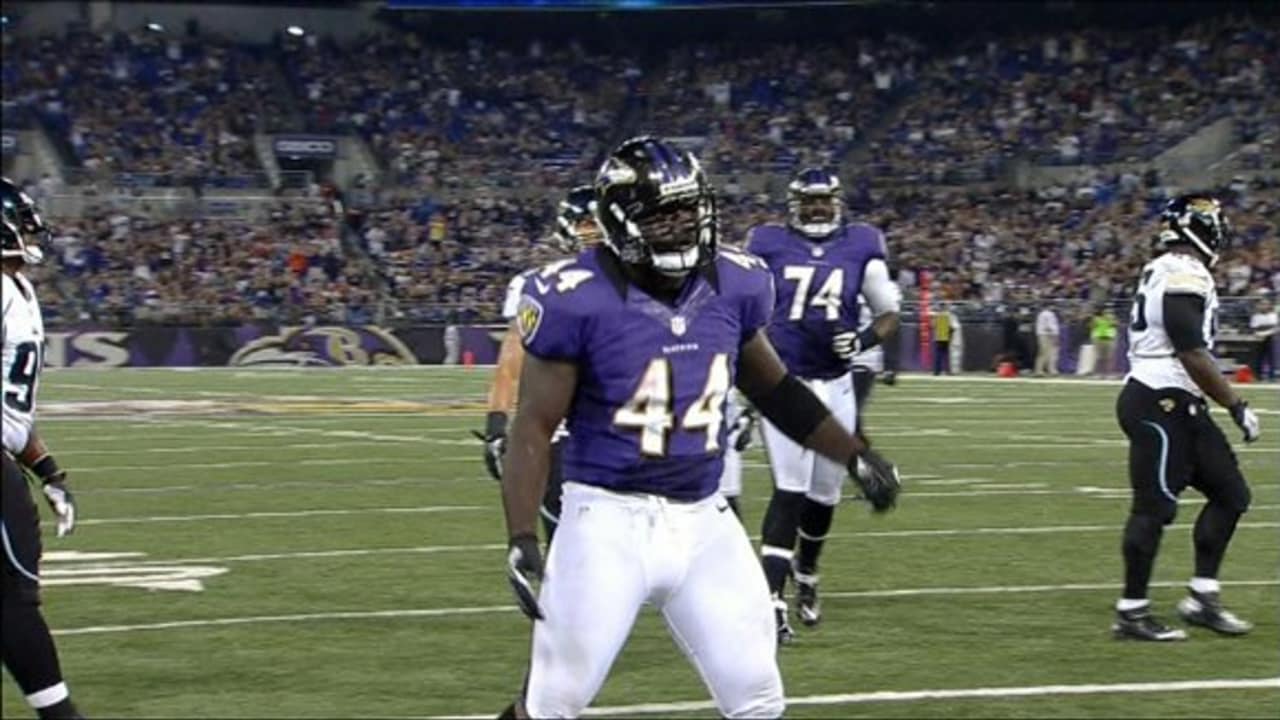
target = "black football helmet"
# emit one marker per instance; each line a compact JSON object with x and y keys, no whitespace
{"x":22,"y":229}
{"x":814,"y":207}
{"x":1197,"y":220}
{"x":656,"y":207}
{"x":576,"y":225}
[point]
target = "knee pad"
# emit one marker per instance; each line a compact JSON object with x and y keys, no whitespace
{"x":1142,"y":533}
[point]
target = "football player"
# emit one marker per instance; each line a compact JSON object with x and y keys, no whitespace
{"x":820,"y":266}
{"x":638,"y":342}
{"x":1173,"y":441}
{"x":576,"y":228}
{"x":29,"y":652}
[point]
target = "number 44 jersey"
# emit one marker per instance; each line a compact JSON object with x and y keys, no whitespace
{"x":1152,"y":359}
{"x":647,"y":415}
{"x":23,"y":353}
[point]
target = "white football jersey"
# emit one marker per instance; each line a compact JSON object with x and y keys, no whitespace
{"x":515,"y":289}
{"x":22,"y":360}
{"x":1152,"y":359}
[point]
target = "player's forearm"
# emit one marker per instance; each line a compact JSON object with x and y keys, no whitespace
{"x":830,"y":440}
{"x":524,"y":474}
{"x":885,"y":326}
{"x":34,"y":450}
{"x":1204,"y":372}
{"x":506,"y":379}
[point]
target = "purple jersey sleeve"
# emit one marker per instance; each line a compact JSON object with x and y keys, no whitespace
{"x":550,"y":326}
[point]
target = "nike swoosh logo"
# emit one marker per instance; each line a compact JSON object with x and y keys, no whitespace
{"x":722,"y":508}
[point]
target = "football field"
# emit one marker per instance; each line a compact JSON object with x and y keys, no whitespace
{"x":325,"y":543}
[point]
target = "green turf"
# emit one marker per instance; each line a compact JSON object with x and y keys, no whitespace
{"x":1009,"y":484}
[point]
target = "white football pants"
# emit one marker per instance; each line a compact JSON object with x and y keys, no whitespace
{"x":614,"y":552}
{"x":798,"y":469}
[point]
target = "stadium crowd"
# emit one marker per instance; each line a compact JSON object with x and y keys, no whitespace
{"x":541,"y":113}
{"x":900,"y":112}
{"x":430,"y":262}
{"x":143,"y":102}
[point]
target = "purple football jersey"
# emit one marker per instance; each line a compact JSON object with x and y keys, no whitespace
{"x":648,"y":412}
{"x":818,"y":284}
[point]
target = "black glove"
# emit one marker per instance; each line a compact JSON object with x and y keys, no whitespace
{"x":495,"y":443}
{"x":745,"y":428}
{"x":878,"y":479}
{"x":524,"y":565}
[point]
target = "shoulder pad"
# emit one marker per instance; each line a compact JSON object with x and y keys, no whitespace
{"x":1187,"y":275}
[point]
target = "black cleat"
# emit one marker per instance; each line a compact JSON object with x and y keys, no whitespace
{"x":1205,"y":610}
{"x":1140,"y":624}
{"x":785,"y":633}
{"x":808,"y":609}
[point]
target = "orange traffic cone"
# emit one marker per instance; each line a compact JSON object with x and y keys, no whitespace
{"x":1244,"y":374}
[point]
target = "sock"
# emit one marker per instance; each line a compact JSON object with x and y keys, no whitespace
{"x":778,"y":537}
{"x":1214,"y":528}
{"x":1141,"y":542}
{"x":61,"y":710}
{"x":30,"y":655}
{"x":1131,"y":604}
{"x":815,"y":523}
{"x":1204,"y":585}
{"x":777,"y":566}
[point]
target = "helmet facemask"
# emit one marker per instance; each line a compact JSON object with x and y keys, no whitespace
{"x":813,"y":203}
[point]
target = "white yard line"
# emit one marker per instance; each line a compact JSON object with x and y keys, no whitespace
{"x":458,"y":611}
{"x":280,"y":514}
{"x":355,"y":552}
{"x":887,"y":696}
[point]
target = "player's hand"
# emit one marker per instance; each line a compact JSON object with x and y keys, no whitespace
{"x":1246,"y":420}
{"x":850,"y":343}
{"x":845,"y":345}
{"x":878,"y":478}
{"x":745,"y":428}
{"x":62,"y":504}
{"x":524,"y":567}
{"x":495,"y":443}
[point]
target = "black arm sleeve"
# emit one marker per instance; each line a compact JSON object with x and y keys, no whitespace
{"x":792,"y":408}
{"x":1184,"y":321}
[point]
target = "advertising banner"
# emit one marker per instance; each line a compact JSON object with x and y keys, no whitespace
{"x":306,"y":146}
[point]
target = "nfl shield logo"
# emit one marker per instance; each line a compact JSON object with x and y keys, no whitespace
{"x":678,"y":325}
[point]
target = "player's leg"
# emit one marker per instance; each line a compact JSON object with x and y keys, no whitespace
{"x":721,"y":616}
{"x":1158,"y":469}
{"x":594,"y":587}
{"x":792,"y":468}
{"x":864,"y":379}
{"x":819,"y":506}
{"x":28,"y":650}
{"x":1218,"y":476}
{"x":731,"y":476}
{"x":550,"y":509}
{"x":731,"y":479}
